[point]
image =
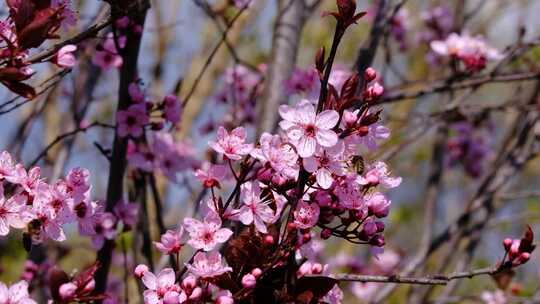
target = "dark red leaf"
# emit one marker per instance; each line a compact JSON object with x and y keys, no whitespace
{"x":21,"y":89}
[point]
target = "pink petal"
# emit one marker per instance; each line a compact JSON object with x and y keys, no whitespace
{"x":327,"y":119}
{"x":326,"y":138}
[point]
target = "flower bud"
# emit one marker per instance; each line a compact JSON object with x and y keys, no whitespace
{"x":326,"y":234}
{"x":317,"y":268}
{"x":140,"y":270}
{"x":225,"y":300}
{"x":189,"y":283}
{"x":249,"y":281}
{"x":67,"y":291}
{"x":196,"y":294}
{"x":268,"y":239}
{"x":304,"y":269}
{"x":256,"y":272}
{"x":507,"y":243}
{"x":89,"y":286}
{"x":370,"y":74}
{"x":377,"y":241}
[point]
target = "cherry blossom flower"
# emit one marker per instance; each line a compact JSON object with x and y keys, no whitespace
{"x":496,"y":297}
{"x":473,"y":51}
{"x":78,"y":182}
{"x":127,"y":213}
{"x":13,"y":212}
{"x":207,"y":265}
{"x":324,"y":163}
{"x":132,"y":120}
{"x":306,"y":129}
{"x":104,"y":228}
{"x":107,"y":56}
{"x":378,"y":204}
{"x":376,"y":132}
{"x":15,"y":294}
{"x":278,"y":154}
{"x":349,"y":194}
{"x":301,"y":81}
{"x":232,"y":145}
{"x":378,"y":173}
{"x":207,"y":234}
{"x":161,"y":287}
{"x":254,"y":209}
{"x":171,"y":241}
{"x":65,"y":58}
{"x":306,"y":215}
{"x":45,"y":216}
{"x":210,"y":175}
{"x":7,"y":166}
{"x":172,"y":109}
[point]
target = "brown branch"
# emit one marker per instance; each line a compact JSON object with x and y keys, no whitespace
{"x":443,"y":85}
{"x":115,"y":188}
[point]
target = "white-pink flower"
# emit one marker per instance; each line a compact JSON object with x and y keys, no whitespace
{"x":306,"y":129}
{"x":208,"y":265}
{"x":378,"y":173}
{"x":132,"y":120}
{"x":210,"y":175}
{"x":376,"y":132}
{"x":15,"y":294}
{"x":161,"y":288}
{"x":306,"y":215}
{"x":13,"y":212}
{"x":280,"y":155}
{"x":65,"y":58}
{"x":378,"y":204}
{"x":207,"y":234}
{"x":232,"y":145}
{"x":254,"y":210}
{"x":324,"y":163}
{"x":171,"y":241}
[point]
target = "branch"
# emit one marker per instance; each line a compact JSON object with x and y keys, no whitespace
{"x":285,"y":45}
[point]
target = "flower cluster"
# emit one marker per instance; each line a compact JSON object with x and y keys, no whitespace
{"x":27,"y":201}
{"x":518,"y":251}
{"x":473,"y":52}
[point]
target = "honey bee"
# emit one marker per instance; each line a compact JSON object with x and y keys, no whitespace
{"x":356,"y":163}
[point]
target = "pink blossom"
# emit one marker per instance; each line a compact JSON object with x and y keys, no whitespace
{"x":171,"y":241}
{"x":334,"y":296}
{"x":232,"y":145}
{"x":324,"y":163}
{"x":207,"y":234}
{"x":278,"y":154}
{"x":254,"y":209}
{"x":161,"y":288}
{"x":172,"y":109}
{"x":306,"y":129}
{"x":15,"y":294}
{"x":78,"y":182}
{"x":107,"y":56}
{"x":378,"y":204}
{"x":495,"y":297}
{"x":45,"y":215}
{"x":378,"y":173}
{"x":172,"y":156}
{"x":104,"y":228}
{"x":301,"y":81}
{"x":473,"y":51}
{"x":350,"y":195}
{"x":127,"y":213}
{"x":65,"y":58}
{"x":364,"y":291}
{"x":210,"y":175}
{"x":376,"y":132}
{"x":13,"y":212}
{"x":132,"y":121}
{"x":7,"y":166}
{"x":135,"y":92}
{"x":208,"y":265}
{"x":306,"y":215}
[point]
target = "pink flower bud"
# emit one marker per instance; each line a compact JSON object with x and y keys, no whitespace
{"x":326,"y":234}
{"x":189,"y":283}
{"x":67,"y":291}
{"x":225,"y":300}
{"x":256,"y":272}
{"x":304,"y":269}
{"x":140,"y":270}
{"x":90,"y":286}
{"x":507,"y":243}
{"x":317,"y":268}
{"x":268,"y":239}
{"x":370,"y":74}
{"x":196,"y":293}
{"x":249,"y":281}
